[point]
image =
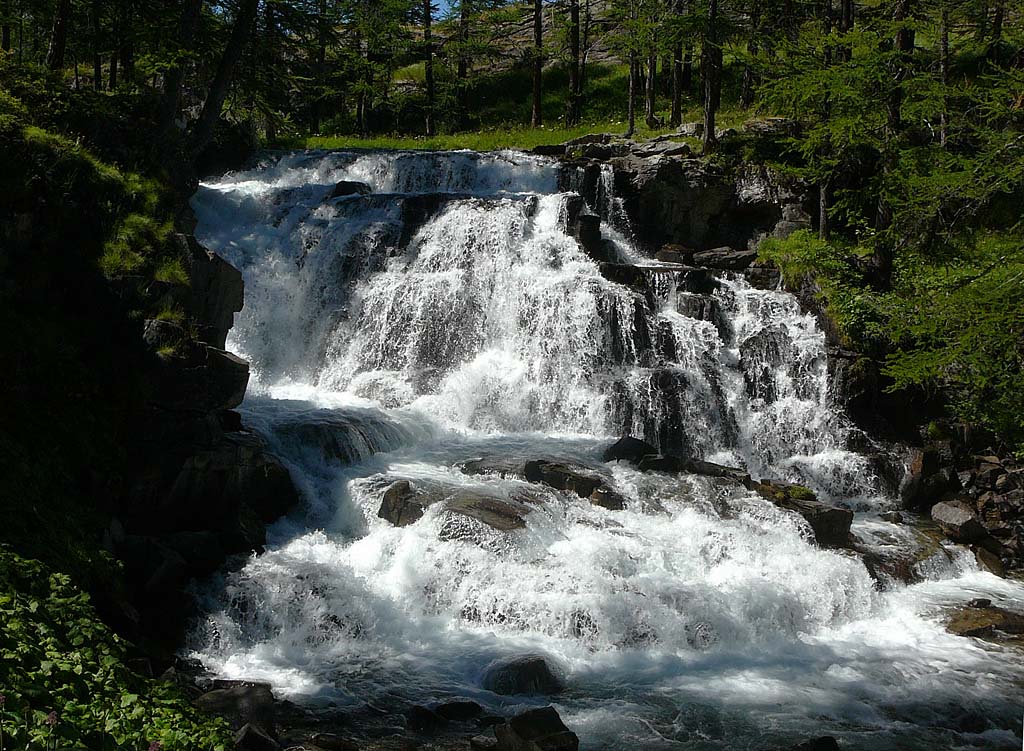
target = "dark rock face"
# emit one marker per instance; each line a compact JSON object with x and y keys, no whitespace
{"x":761,"y":355}
{"x":245,"y":703}
{"x":536,"y":730}
{"x":675,"y":464}
{"x":526,"y":675}
{"x":253,"y":738}
{"x":350,"y":188}
{"x":216,"y":290}
{"x":831,"y":524}
{"x":824,"y":743}
{"x":929,"y":478}
{"x":400,"y":504}
{"x":628,"y":448}
{"x":725,"y":258}
{"x":958,"y":521}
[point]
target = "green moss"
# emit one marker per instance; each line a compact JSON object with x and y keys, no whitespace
{"x":171,"y":271}
{"x":801,"y":493}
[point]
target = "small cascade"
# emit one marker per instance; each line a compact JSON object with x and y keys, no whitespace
{"x":424,"y":326}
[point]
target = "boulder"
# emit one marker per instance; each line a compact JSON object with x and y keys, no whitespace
{"x":958,"y":521}
{"x":691,"y":130}
{"x":629,"y":449}
{"x":163,"y":335}
{"x":608,"y":499}
{"x":422,"y":719}
{"x":459,"y":710}
{"x":830,"y":524}
{"x":928,"y":479}
{"x":536,"y":730}
{"x":763,"y":126}
{"x":253,"y":738}
{"x":200,"y":378}
{"x":528,"y":674}
{"x":201,"y":551}
{"x":563,"y":476}
{"x":495,"y":465}
{"x":989,"y":622}
{"x":241,"y":703}
{"x":483,"y":743}
{"x":676,"y":464}
{"x":401,"y":504}
{"x":555,"y":149}
{"x":216,"y":290}
{"x":763,"y":277}
{"x":350,"y":188}
{"x":675,"y":253}
{"x":497,"y":513}
{"x":824,"y":743}
{"x":332,"y":742}
{"x":725,"y":258}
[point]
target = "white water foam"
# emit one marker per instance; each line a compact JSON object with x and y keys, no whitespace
{"x":448,"y":315}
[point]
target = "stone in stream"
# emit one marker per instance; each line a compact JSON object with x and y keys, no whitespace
{"x":958,"y":521}
{"x":244,"y":702}
{"x":824,"y":743}
{"x":401,"y":505}
{"x":254,"y":738}
{"x":350,"y":188}
{"x":725,"y":258}
{"x":404,"y":504}
{"x":528,"y":675}
{"x":629,"y":449}
{"x":830,"y":524}
{"x":676,"y":464}
{"x":989,"y":622}
{"x":536,"y":730}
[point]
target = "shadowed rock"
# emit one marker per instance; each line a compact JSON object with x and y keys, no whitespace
{"x":529,"y":674}
{"x":536,"y":730}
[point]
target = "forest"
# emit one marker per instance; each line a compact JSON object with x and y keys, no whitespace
{"x":902,"y":122}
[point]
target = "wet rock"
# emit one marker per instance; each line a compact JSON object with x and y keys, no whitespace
{"x":958,"y":521}
{"x":763,"y":277}
{"x":993,"y":623}
{"x":459,"y":710}
{"x":824,"y":743}
{"x":629,"y":449}
{"x":563,"y":476}
{"x":421,"y":719}
{"x":675,"y":253}
{"x":332,"y":742}
{"x":979,"y":602}
{"x":253,"y":738}
{"x":556,"y":149}
{"x":762,"y":355}
{"x":401,"y":504}
{"x":241,"y":704}
{"x":988,"y":561}
{"x":216,"y":290}
{"x":483,"y":743}
{"x":830,"y":524}
{"x":676,"y":464}
{"x":608,"y":499}
{"x":725,"y":258}
{"x":536,"y":730}
{"x":497,"y":513}
{"x":927,"y":480}
{"x":529,"y":674}
{"x":201,"y":551}
{"x":350,"y":188}
{"x":201,"y":378}
{"x":893,"y":517}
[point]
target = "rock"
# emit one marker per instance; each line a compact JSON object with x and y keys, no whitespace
{"x":762,"y":355}
{"x":241,"y":704}
{"x":628,"y":448}
{"x":770,"y":126}
{"x":459,"y":710}
{"x":420,"y":719}
{"x":202,"y":378}
{"x":725,"y":258}
{"x":589,"y":138}
{"x":536,"y":730}
{"x":401,"y":505}
{"x":529,"y":674}
{"x":675,"y":253}
{"x":350,"y":188}
{"x":216,"y":290}
{"x":253,"y":738}
{"x":201,"y":551}
{"x":988,"y":561}
{"x":332,"y":742}
{"x":979,"y":602}
{"x":563,"y":476}
{"x":549,"y":149}
{"x":483,"y":743}
{"x":675,"y":464}
{"x":153,"y":570}
{"x":162,"y":335}
{"x":927,"y":481}
{"x":492,"y":465}
{"x":497,"y":513}
{"x":830,"y":524}
{"x":958,"y":521}
{"x":213,"y":486}
{"x":893,"y":517}
{"x":763,"y":277}
{"x":824,"y":743}
{"x":691,"y":130}
{"x":986,"y":623}
{"x":608,"y":499}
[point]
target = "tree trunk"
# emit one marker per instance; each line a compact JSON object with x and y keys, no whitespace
{"x":59,"y":36}
{"x":650,"y":93}
{"x":536,"y":118}
{"x":174,"y":77}
{"x":997,"y":21}
{"x":676,"y":119}
{"x":124,"y":41}
{"x":97,"y":60}
{"x":631,"y":104}
{"x":944,"y":72}
{"x":462,"y":66}
{"x":824,"y":231}
{"x":711,"y":60}
{"x":687,"y":82}
{"x":113,"y":72}
{"x":749,"y":76}
{"x":5,"y":26}
{"x":572,"y":109}
{"x":428,"y":67}
{"x":240,"y":33}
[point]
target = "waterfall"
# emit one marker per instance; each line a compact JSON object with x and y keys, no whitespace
{"x":449,"y":314}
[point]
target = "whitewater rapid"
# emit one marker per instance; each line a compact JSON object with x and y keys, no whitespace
{"x":448,"y":314}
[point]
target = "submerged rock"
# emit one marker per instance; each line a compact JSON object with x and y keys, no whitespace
{"x":529,"y":674}
{"x":629,"y":449}
{"x":536,"y":730}
{"x":350,"y":188}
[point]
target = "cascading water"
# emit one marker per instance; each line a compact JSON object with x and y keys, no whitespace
{"x":448,"y":315}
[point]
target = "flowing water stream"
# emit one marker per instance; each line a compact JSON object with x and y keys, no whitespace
{"x":448,"y":315}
